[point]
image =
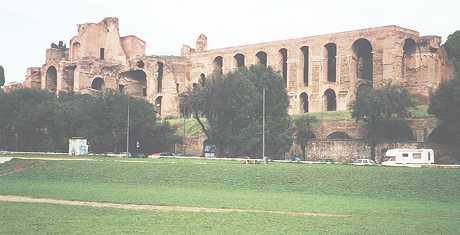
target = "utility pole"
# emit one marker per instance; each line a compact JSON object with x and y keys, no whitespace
{"x":263,"y":126}
{"x":127,"y":134}
{"x":183,"y":137}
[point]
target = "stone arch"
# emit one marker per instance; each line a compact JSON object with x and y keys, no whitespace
{"x":51,"y":79}
{"x":304,"y":103}
{"x":338,"y":135}
{"x":331,"y":52}
{"x":98,"y":84}
{"x":218,"y":64}
{"x":239,"y":60}
{"x":134,"y":83}
{"x":283,"y":53}
{"x":330,"y":100}
{"x":306,"y":62}
{"x":158,"y":105}
{"x":362,"y":50}
{"x":262,"y":58}
{"x":160,"y":73}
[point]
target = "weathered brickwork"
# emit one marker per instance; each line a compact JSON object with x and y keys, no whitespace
{"x":321,"y":73}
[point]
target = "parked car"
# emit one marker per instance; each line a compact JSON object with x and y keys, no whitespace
{"x":363,"y":162}
{"x":327,"y":161}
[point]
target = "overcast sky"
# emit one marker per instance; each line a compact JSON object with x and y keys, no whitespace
{"x":28,"y":27}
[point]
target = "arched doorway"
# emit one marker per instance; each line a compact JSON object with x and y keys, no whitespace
{"x":304,"y":102}
{"x":331,"y":52}
{"x":98,"y":84}
{"x":284,"y":65}
{"x":330,"y":100}
{"x":262,"y":58}
{"x":239,"y":60}
{"x":338,"y":136}
{"x":134,"y":83}
{"x":51,"y":79}
{"x":218,"y":64}
{"x":362,"y":49}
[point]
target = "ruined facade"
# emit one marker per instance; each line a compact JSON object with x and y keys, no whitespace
{"x":321,"y":73}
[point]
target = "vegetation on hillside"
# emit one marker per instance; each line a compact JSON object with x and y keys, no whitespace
{"x":232,"y":106}
{"x":37,"y":120}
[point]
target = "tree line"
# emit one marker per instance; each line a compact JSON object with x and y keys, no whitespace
{"x":37,"y":120}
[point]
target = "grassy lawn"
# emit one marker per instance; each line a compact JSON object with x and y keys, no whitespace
{"x":379,"y":200}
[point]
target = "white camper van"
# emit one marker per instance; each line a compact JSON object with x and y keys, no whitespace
{"x":396,"y":157}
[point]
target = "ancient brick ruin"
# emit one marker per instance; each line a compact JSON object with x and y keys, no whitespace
{"x":321,"y":73}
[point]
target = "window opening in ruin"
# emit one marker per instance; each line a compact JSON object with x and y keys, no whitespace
{"x":51,"y":79}
{"x":331,"y":102}
{"x":102,"y":54}
{"x":409,"y":46}
{"x":239,"y":60}
{"x":160,"y":67}
{"x":140,"y":64}
{"x":202,"y":80}
{"x":304,"y":102}
{"x":134,"y":81}
{"x":97,"y":84}
{"x":218,"y":64}
{"x":362,"y":49}
{"x":305,"y":52}
{"x":284,"y":65}
{"x":158,"y":105}
{"x":121,"y":88}
{"x":195,"y":86}
{"x":338,"y":136}
{"x":144,"y":92}
{"x":262,"y":58}
{"x":331,"y":50}
{"x":75,"y":50}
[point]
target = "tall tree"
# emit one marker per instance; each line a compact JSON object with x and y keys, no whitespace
{"x":303,"y":133}
{"x":452,"y":46}
{"x":232,"y":105}
{"x":444,"y":105}
{"x":383,"y":111}
{"x":2,"y":76}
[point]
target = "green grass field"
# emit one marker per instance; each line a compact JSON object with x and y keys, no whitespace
{"x":375,"y":200}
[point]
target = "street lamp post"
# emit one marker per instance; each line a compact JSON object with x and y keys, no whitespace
{"x":264,"y":158}
{"x":127,"y":134}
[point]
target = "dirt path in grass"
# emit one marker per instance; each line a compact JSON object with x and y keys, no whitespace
{"x":9,"y":198}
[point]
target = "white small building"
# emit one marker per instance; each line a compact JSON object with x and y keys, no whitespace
{"x":395,"y":157}
{"x":78,"y":146}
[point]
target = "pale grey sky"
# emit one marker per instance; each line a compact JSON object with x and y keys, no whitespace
{"x":27,"y":27}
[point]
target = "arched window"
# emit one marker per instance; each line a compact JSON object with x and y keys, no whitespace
{"x":97,"y":84}
{"x":304,"y":102}
{"x":262,"y":58}
{"x":160,"y":68}
{"x":51,"y":79}
{"x":158,"y":105}
{"x":409,"y":46}
{"x":330,"y":100}
{"x":239,"y":60}
{"x":338,"y":136}
{"x":284,"y":65}
{"x":331,"y":50}
{"x":362,"y":49}
{"x":219,"y":64}
{"x":305,"y":55}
